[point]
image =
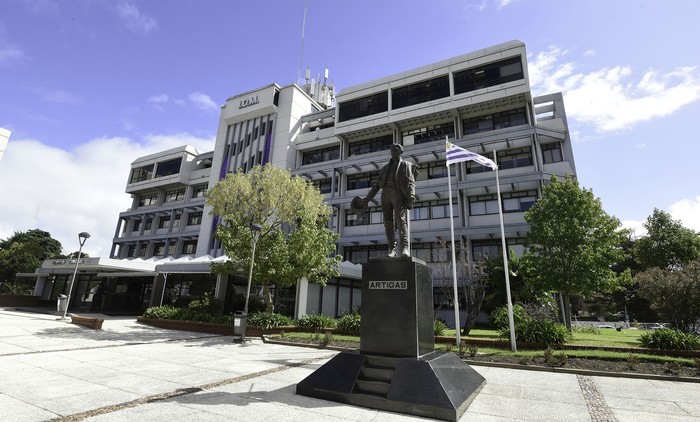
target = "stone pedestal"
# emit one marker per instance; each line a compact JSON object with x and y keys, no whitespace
{"x":396,"y":368}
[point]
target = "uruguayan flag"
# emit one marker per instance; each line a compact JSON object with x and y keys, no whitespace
{"x":456,"y":154}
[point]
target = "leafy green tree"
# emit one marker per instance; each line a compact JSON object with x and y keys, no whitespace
{"x":667,"y":244}
{"x":674,"y":293}
{"x":295,"y":240}
{"x":23,"y":252}
{"x":572,"y":243}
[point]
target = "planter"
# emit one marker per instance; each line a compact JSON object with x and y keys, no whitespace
{"x":209,"y":327}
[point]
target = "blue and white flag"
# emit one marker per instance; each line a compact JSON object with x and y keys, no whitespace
{"x":456,"y":154}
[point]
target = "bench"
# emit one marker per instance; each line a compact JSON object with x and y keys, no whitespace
{"x":93,"y":323}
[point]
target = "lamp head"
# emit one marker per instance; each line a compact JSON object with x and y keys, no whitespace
{"x":83,"y":236}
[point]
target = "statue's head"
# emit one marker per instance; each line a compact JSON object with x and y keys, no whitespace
{"x":396,"y":151}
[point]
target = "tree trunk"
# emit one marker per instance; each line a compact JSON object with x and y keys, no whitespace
{"x":267,"y":297}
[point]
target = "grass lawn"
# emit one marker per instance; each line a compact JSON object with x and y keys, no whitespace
{"x":607,"y":337}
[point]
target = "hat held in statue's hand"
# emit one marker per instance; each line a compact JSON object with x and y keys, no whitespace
{"x":358,"y":205}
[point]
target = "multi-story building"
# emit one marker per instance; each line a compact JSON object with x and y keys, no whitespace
{"x":480,"y":101}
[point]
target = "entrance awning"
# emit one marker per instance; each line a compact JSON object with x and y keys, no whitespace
{"x":127,"y":274}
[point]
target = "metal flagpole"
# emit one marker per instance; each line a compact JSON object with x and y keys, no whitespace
{"x":458,"y":326}
{"x":511,"y":323}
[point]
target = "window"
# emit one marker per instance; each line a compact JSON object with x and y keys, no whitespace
{"x":323,"y":185}
{"x":141,"y":174}
{"x":148,"y":200}
{"x":163,"y":222}
{"x":365,"y":106}
{"x":149,"y":222}
{"x":373,"y":216}
{"x":474,"y":167}
{"x":166,"y":168}
{"x":174,"y":195}
{"x":159,"y":249}
{"x":321,"y":155}
{"x":366,"y":146}
{"x":194,"y":218}
{"x":483,"y":204}
{"x":420,"y":92}
{"x":137,"y":226}
{"x":132,"y":251}
{"x":513,"y":158}
{"x":434,"y":170}
{"x":487,"y":122}
{"x":176,"y":221}
{"x":551,"y":153}
{"x":198,"y":191}
{"x":428,"y":134}
{"x":441,"y":209}
{"x":491,"y":74}
{"x":493,"y":247}
{"x":189,"y":247}
{"x":362,"y":254}
{"x":421,"y":211}
{"x":362,"y":180}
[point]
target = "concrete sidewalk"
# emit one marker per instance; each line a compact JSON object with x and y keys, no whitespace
{"x":53,"y":370}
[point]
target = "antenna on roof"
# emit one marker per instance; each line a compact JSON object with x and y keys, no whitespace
{"x":301,"y":53}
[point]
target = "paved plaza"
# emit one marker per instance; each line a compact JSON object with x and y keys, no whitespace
{"x":52,"y":370}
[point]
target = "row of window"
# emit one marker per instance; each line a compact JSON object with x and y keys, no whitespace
{"x":193,"y":219}
{"x":468,"y":80}
{"x":189,"y":247}
{"x":165,"y":168}
{"x":439,"y":132}
{"x":433,"y":210}
{"x":173,"y":195}
{"x":508,"y":159}
{"x":430,"y":252}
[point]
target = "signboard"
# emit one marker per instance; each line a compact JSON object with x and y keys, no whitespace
{"x":388,"y":285}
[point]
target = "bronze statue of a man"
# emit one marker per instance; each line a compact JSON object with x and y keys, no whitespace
{"x":397,"y":180}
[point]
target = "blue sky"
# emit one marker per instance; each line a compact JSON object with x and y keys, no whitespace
{"x":87,"y":86}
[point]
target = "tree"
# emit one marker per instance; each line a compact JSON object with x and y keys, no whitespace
{"x":23,"y":252}
{"x":295,"y":240}
{"x":572,"y":243}
{"x":667,"y":244}
{"x":675,"y":293}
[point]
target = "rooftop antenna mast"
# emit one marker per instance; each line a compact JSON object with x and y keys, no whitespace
{"x":301,"y":53}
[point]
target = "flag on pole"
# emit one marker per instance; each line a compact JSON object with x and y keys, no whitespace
{"x":456,"y":154}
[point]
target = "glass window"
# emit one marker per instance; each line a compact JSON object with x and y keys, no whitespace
{"x":420,"y":92}
{"x":137,"y":226}
{"x":176,"y":221}
{"x":362,"y":180}
{"x":140,"y":174}
{"x":194,"y":218}
{"x":365,"y":106}
{"x":198,"y":191}
{"x":149,"y":223}
{"x":487,"y":122}
{"x":189,"y":247}
{"x":147,"y":200}
{"x":483,"y":204}
{"x":551,"y":153}
{"x":366,"y":146}
{"x":491,"y":74}
{"x":428,"y":134}
{"x":321,"y":155}
{"x":159,"y":249}
{"x":323,"y":185}
{"x":175,"y":195}
{"x":421,"y":211}
{"x":167,"y":168}
{"x":513,"y":158}
{"x":163,"y":222}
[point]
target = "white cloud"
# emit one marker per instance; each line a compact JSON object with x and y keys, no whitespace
{"x":609,"y":98}
{"x":203,"y":101}
{"x":9,"y":53}
{"x":60,"y":96}
{"x":67,"y":192}
{"x":688,"y":212}
{"x":134,"y":20}
{"x":158,"y":99}
{"x":635,"y":226}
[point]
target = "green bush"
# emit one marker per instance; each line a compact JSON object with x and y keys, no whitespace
{"x":160,"y":312}
{"x":543,"y":331}
{"x":586,"y":329}
{"x":499,"y":317}
{"x":181,"y":314}
{"x":268,"y":320}
{"x":439,"y":327}
{"x":207,"y":304}
{"x":668,"y":339}
{"x":316,"y":323}
{"x":350,"y":323}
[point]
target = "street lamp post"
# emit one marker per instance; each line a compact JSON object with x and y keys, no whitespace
{"x":82,"y":237}
{"x":255,"y":230}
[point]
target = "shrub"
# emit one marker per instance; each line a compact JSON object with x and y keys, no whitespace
{"x":160,"y":312}
{"x":439,"y":327}
{"x":316,"y":323}
{"x":350,"y":322}
{"x":543,"y":331}
{"x":668,"y":339}
{"x":268,"y":320}
{"x":499,"y":317}
{"x":207,"y":304}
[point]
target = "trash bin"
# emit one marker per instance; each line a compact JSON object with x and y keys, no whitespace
{"x":62,"y":303}
{"x":239,"y":323}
